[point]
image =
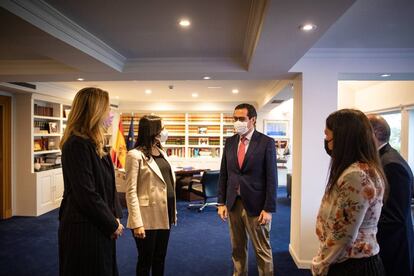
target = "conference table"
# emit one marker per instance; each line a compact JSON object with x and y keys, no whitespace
{"x":183,"y":178}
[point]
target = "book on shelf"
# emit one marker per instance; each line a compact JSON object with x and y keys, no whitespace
{"x":203,"y":141}
{"x":175,"y":152}
{"x":204,"y":152}
{"x":43,"y":110}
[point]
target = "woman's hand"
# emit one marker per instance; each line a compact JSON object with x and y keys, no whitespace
{"x":139,"y":232}
{"x":118,"y":231}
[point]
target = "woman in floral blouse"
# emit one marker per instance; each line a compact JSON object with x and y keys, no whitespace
{"x":347,"y":220}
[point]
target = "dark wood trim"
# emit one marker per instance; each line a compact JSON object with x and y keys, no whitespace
{"x":5,"y":183}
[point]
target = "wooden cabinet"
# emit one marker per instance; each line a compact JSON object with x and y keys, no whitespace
{"x":50,"y":190}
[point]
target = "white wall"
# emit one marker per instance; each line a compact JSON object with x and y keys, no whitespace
{"x":411,"y":138}
{"x":346,"y":96}
{"x":283,"y":112}
{"x":380,"y":97}
{"x":320,"y":69}
{"x":385,"y":95}
{"x":314,"y":100}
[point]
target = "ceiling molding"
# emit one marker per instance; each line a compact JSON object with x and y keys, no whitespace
{"x":56,"y":90}
{"x":254,"y":28}
{"x":51,"y":21}
{"x":377,"y":53}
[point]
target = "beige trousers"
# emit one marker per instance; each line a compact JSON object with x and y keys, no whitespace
{"x":242,"y":227}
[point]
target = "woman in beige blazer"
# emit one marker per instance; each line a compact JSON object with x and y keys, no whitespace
{"x":150,"y":196}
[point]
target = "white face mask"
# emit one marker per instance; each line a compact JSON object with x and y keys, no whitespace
{"x":241,"y":127}
{"x":163,"y":136}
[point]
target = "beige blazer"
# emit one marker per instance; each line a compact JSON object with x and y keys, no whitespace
{"x":146,"y":192}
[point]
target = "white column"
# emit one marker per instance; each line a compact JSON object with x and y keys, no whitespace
{"x":410,"y":137}
{"x":404,"y":135}
{"x":315,"y":97}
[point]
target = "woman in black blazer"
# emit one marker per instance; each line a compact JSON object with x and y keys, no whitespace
{"x":90,"y":210}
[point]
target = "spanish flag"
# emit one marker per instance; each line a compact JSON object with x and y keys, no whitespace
{"x":119,"y":150}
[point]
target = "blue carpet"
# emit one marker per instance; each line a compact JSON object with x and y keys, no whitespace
{"x":199,"y":245}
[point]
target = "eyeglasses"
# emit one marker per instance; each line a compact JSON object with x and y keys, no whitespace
{"x":241,"y":119}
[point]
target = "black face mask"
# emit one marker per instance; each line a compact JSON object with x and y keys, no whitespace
{"x":328,"y":151}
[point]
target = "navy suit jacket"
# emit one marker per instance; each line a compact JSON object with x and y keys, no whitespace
{"x":395,"y":228}
{"x":257,"y":177}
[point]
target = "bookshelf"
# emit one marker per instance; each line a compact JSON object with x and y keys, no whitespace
{"x":39,"y":181}
{"x":47,"y":122}
{"x":191,"y":136}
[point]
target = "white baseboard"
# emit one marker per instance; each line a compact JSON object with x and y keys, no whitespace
{"x":302,"y":264}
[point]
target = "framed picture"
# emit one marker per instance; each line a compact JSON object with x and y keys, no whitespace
{"x":276,"y":129}
{"x":37,"y":145}
{"x":53,"y":128}
{"x":202,"y":130}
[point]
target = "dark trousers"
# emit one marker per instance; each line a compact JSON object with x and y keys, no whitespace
{"x":151,"y":252}
{"x":370,"y":266}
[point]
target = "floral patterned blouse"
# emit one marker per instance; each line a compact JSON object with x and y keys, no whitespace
{"x":346,"y":224}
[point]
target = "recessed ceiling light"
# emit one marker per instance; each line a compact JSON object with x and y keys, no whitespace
{"x":385,"y":75}
{"x":214,"y":87}
{"x":148,"y":91}
{"x":206,"y":77}
{"x":185,"y":23}
{"x":81,"y":79}
{"x":307,"y":27}
{"x":194,"y":95}
{"x":235,"y":91}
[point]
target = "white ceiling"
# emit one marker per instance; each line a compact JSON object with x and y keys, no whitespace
{"x":373,"y":24}
{"x":134,"y":91}
{"x":358,"y":85}
{"x":135,"y":45}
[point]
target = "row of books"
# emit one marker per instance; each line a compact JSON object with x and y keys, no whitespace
{"x":204,"y":152}
{"x":175,"y":141}
{"x":176,"y":152}
{"x":43,"y":110}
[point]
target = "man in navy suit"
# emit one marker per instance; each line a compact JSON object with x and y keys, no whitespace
{"x":247,"y":190}
{"x":395,"y":227}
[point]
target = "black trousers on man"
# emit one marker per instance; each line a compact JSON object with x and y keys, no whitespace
{"x":151,"y":252}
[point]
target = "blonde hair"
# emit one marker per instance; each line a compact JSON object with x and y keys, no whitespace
{"x":86,"y":117}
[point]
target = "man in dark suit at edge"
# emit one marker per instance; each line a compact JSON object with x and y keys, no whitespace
{"x":247,"y":191}
{"x":395,"y":228}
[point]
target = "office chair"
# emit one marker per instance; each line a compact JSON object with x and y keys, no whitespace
{"x":206,"y":187}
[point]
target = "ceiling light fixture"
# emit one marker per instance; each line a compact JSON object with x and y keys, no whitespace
{"x":214,"y":87}
{"x":235,"y":91}
{"x":385,"y":75}
{"x":206,"y":78}
{"x":307,"y":27}
{"x":148,"y":91}
{"x":81,"y":79}
{"x":185,"y":23}
{"x":194,"y":95}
